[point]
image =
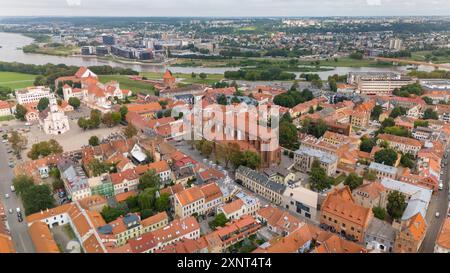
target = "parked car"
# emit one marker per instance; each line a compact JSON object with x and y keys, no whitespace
{"x":441,"y":186}
{"x":18,"y":210}
{"x":12,"y":188}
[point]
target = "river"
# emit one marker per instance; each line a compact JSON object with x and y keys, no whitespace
{"x":9,"y":52}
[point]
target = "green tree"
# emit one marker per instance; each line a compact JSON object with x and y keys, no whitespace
{"x":397,"y":111}
{"x":430,"y":114}
{"x":95,"y":119}
{"x":57,"y":184}
{"x":146,"y":199}
{"x":21,"y":111}
{"x":22,"y":182}
{"x":44,"y":148}
{"x":149,"y":180}
{"x":396,"y":204}
{"x":420,"y":123}
{"x":249,"y":159}
{"x":74,"y":102}
{"x":163,"y":202}
{"x":407,"y":160}
{"x":98,"y":167}
{"x":379,"y":212}
{"x":110,"y":214}
{"x":94,"y":141}
{"x":43,"y":104}
{"x":123,"y":111}
{"x":219,"y":221}
{"x":288,"y":135}
{"x":222,"y":99}
{"x":18,"y":142}
{"x":386,"y":156}
{"x":37,"y":198}
{"x":316,"y":129}
{"x":318,"y":178}
{"x":376,"y":112}
{"x":367,"y":144}
{"x":40,"y":81}
{"x":130,"y":131}
{"x":202,"y":75}
{"x":353,"y":181}
{"x":83,"y":123}
{"x":227,"y":151}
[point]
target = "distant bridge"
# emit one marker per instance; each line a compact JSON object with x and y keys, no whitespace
{"x":397,"y":60}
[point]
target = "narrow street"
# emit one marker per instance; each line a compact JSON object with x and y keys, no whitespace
{"x":19,"y":231}
{"x":439,"y":204}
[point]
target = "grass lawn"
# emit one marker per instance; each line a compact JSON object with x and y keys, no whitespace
{"x":7,"y":118}
{"x":344,"y":62}
{"x":126,"y":83}
{"x":420,"y":56}
{"x":186,"y":78}
{"x":338,"y":180}
{"x":15,"y":80}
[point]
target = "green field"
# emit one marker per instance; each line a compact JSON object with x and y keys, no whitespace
{"x":16,"y":80}
{"x":186,"y":78}
{"x":341,"y":62}
{"x":126,"y":83}
{"x":422,"y":56}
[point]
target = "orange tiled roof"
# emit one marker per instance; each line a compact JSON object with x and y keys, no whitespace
{"x":443,"y":239}
{"x":189,"y":195}
{"x":154,"y":219}
{"x":340,"y":203}
{"x":399,"y":139}
{"x":42,"y":238}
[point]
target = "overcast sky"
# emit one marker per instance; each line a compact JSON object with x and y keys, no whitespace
{"x":223,"y":7}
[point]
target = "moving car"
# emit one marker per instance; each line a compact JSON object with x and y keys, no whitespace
{"x":10,"y":211}
{"x":437,"y":214}
{"x":6,"y":196}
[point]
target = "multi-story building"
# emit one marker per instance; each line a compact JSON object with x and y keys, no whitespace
{"x":197,"y":200}
{"x":123,"y":228}
{"x":382,"y":170}
{"x":370,"y":195}
{"x":401,"y":144}
{"x":305,"y":156}
{"x":232,"y":233}
{"x":32,"y":94}
{"x":418,"y":198}
{"x":342,"y":214}
{"x":101,"y":185}
{"x":175,"y":231}
{"x":125,"y":181}
{"x":5,"y":109}
{"x":380,"y":236}
{"x":361,"y":114}
{"x":411,"y":234}
{"x":243,"y":205}
{"x":303,"y":201}
{"x":443,"y":242}
{"x":377,"y":83}
{"x":260,"y":184}
{"x":75,"y":180}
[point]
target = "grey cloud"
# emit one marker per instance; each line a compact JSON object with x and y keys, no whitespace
{"x":224,"y":7}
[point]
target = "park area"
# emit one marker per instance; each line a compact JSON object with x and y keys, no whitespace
{"x":15,"y":80}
